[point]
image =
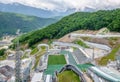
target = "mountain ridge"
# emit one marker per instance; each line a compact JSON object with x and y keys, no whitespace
{"x":11,"y":22}
{"x":44,"y":13}
{"x":27,"y":10}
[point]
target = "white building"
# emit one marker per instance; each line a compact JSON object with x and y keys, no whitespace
{"x":48,"y":78}
{"x":37,"y":77}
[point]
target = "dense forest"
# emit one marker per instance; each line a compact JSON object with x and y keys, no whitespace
{"x":76,"y":21}
{"x":2,"y":52}
{"x":10,"y":22}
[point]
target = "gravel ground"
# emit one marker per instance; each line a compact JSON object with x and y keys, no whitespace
{"x":97,"y":52}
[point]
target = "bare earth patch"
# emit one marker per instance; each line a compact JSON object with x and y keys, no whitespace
{"x":66,"y":38}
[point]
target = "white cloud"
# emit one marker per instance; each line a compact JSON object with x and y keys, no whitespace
{"x":62,"y":5}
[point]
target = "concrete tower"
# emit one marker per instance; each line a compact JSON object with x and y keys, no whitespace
{"x":18,"y":67}
{"x":18,"y":63}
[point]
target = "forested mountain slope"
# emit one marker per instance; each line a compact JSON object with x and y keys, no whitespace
{"x":10,"y":22}
{"x":76,"y":21}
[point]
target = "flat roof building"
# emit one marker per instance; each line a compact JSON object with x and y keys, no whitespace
{"x":48,"y":78}
{"x":37,"y":77}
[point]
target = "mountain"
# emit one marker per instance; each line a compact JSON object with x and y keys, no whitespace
{"x":27,"y":10}
{"x":11,"y":22}
{"x":73,"y":22}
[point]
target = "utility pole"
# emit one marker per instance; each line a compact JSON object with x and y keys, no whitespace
{"x":18,"y":63}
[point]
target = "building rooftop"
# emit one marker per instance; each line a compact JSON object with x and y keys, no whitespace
{"x":48,"y":78}
{"x":7,"y":71}
{"x":10,"y":63}
{"x":37,"y":77}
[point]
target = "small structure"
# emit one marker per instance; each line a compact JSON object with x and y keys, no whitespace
{"x":10,"y":63}
{"x":6,"y":72}
{"x":37,"y":77}
{"x":4,"y":43}
{"x":28,"y":51}
{"x":48,"y":78}
{"x":12,"y":79}
{"x":11,"y":56}
{"x":27,"y":65}
{"x":3,"y":78}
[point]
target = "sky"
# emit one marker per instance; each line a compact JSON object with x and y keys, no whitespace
{"x":63,"y":5}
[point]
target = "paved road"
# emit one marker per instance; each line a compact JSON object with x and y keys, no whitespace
{"x":66,"y":44}
{"x":100,"y":46}
{"x":93,"y":36}
{"x":3,"y":43}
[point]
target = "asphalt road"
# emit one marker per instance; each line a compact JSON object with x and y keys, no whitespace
{"x":93,"y":36}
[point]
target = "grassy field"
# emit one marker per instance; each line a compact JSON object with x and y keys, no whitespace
{"x":56,"y":59}
{"x":68,"y":76}
{"x":81,"y":43}
{"x":3,"y":57}
{"x":35,"y":50}
{"x":104,"y":60}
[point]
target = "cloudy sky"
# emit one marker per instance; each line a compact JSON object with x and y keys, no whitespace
{"x":63,"y":5}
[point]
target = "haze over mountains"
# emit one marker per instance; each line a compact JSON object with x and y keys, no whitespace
{"x":27,"y":10}
{"x":53,"y":8}
{"x":62,"y":7}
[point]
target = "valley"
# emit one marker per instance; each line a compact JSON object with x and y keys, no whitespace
{"x":11,"y":22}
